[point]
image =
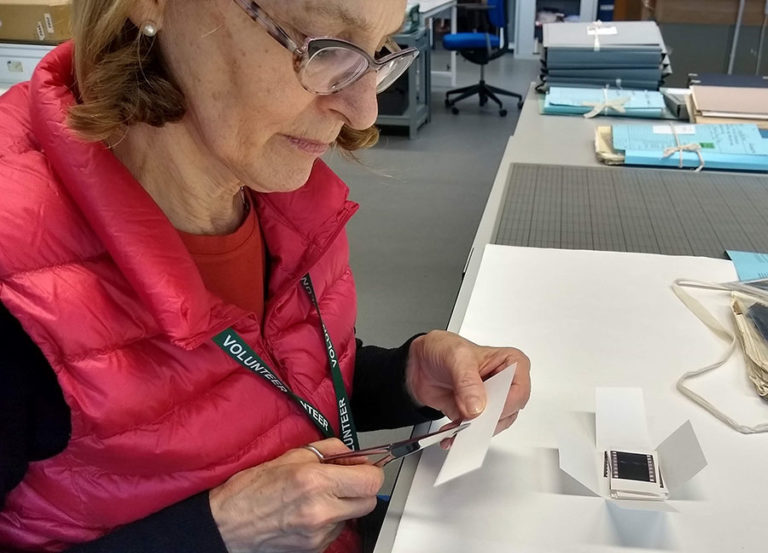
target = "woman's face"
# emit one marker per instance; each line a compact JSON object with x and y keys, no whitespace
{"x":246,"y":106}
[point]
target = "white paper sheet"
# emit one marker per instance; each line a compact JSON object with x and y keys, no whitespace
{"x":591,"y":319}
{"x":471,"y":444}
{"x":620,"y":421}
{"x":579,"y":458}
{"x":680,"y":457}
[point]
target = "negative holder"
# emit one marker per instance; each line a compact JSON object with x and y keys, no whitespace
{"x":634,"y":475}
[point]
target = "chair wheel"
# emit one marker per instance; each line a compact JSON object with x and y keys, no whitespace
{"x":520,"y":105}
{"x":503,"y":112}
{"x":455,"y":110}
{"x":483,"y":101}
{"x":447,"y":103}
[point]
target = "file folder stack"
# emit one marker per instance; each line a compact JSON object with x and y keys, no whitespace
{"x":619,"y":54}
{"x":729,"y":99}
{"x":733,"y":147}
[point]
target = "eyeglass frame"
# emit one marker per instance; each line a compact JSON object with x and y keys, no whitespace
{"x":302,"y":55}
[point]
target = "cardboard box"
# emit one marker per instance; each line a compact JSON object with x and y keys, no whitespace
{"x":35,"y":21}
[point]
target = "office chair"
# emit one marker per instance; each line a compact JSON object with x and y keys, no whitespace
{"x":481,"y":48}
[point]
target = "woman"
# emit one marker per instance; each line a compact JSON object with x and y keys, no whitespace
{"x":177,"y":305}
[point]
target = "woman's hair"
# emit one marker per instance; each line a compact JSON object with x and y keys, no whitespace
{"x":122,"y":79}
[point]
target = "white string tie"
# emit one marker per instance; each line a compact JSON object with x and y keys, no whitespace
{"x":680,"y":148}
{"x":594,"y":29}
{"x":616,"y":104}
{"x":704,"y":315}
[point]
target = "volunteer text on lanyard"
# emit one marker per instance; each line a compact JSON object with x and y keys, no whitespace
{"x":234,"y":346}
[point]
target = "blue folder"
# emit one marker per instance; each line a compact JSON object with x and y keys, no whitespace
{"x":731,"y":146}
{"x":573,"y":101}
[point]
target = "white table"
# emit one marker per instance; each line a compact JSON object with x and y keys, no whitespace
{"x":428,"y":9}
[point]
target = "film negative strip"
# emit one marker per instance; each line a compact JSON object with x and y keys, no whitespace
{"x":633,"y":466}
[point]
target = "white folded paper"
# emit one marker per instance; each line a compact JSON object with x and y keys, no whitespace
{"x":471,"y":444}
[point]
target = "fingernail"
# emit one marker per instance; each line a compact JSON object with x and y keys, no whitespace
{"x":475,"y":405}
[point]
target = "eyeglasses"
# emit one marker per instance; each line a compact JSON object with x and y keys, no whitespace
{"x":326,"y":65}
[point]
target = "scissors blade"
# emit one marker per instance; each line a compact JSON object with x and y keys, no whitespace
{"x":412,"y":445}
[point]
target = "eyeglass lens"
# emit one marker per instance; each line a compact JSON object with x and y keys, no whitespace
{"x":389,"y":73}
{"x":332,"y":68}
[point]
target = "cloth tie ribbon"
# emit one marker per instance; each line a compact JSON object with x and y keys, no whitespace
{"x":680,"y":148}
{"x":616,"y":104}
{"x":594,"y":29}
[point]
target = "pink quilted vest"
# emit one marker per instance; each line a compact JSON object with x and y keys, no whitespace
{"x":103,"y":284}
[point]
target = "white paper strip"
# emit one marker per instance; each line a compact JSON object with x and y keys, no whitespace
{"x":471,"y":444}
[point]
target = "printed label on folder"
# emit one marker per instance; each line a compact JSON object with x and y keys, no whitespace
{"x":602,"y":31}
{"x":679,"y":129}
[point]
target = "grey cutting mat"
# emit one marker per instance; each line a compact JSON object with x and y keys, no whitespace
{"x":634,"y":210}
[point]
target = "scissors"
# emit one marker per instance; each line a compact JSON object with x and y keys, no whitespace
{"x":394,"y":450}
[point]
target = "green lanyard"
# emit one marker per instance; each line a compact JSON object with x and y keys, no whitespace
{"x":234,"y":346}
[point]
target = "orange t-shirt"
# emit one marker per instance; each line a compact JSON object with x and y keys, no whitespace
{"x":232,"y":265}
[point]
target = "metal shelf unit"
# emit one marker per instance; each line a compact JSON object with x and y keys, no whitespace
{"x":419,"y":84}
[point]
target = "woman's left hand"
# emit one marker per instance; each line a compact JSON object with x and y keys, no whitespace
{"x":446,"y":372}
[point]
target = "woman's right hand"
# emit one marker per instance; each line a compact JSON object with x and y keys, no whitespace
{"x":294,"y":503}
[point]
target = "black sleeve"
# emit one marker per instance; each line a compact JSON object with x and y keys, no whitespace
{"x":379,"y":398}
{"x":35,"y":425}
{"x":34,"y":419}
{"x":181,"y":528}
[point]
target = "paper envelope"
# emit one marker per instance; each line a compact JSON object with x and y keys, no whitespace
{"x":620,"y":423}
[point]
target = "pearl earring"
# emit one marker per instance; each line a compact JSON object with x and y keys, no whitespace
{"x":149,"y":28}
